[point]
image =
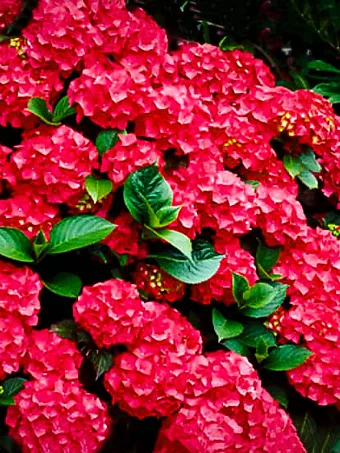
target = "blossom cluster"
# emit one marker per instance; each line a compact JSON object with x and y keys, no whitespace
{"x":165,"y":374}
{"x":215,"y":123}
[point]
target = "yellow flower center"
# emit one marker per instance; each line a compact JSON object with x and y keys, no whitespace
{"x":17,"y":44}
{"x":231,"y":142}
{"x":334,"y":229}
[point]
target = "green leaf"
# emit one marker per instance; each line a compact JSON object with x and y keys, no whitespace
{"x":97,"y":188}
{"x":317,"y":437}
{"x":178,"y":240}
{"x":62,"y":110}
{"x":267,"y":257}
{"x":261,"y":350}
{"x":279,"y":394}
{"x":77,"y":232}
{"x":64,"y":284}
{"x":239,"y":286}
{"x":9,"y":389}
{"x":286,"y":357}
{"x":6,"y":400}
{"x":265,"y":275}
{"x":332,"y":217}
{"x":254,"y":184}
{"x":15,"y":245}
{"x":234,"y":344}
{"x":254,"y":331}
{"x":107,"y":140}
{"x":280,"y":295}
{"x":262,"y":273}
{"x":165,"y":216}
{"x":320,"y":65}
{"x":38,"y":107}
{"x":102,"y":361}
{"x":335,"y":99}
{"x":330,"y":90}
{"x":13,"y":386}
{"x":308,"y":179}
{"x":39,"y":244}
{"x":145,"y":193}
{"x":85,"y":342}
{"x":225,"y":328}
{"x":66,"y":329}
{"x":308,"y":432}
{"x":336,"y":447}
{"x":259,"y":295}
{"x":202,"y":266}
{"x":299,"y":80}
{"x":293,"y":165}
{"x":205,"y":31}
{"x":309,"y":161}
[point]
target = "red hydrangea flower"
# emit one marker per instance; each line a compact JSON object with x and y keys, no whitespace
{"x":150,"y":380}
{"x":241,"y":147}
{"x":318,"y":325}
{"x":193,"y":187}
{"x":13,"y":343}
{"x":228,"y":410}
{"x":19,"y":292}
{"x":28,"y":211}
{"x":205,"y":66}
{"x":125,"y":239}
{"x":56,"y":162}
{"x":330,"y":162}
{"x":127,"y":156}
{"x":50,"y":357}
{"x":67,"y":43}
{"x":305,"y":115}
{"x":280,"y":216}
{"x":109,"y":94}
{"x":302,"y":117}
{"x":250,"y":71}
{"x":311,"y":266}
{"x":19,"y":82}
{"x":8,"y":10}
{"x":157,"y":284}
{"x":173,"y":331}
{"x":232,"y":205}
{"x":133,"y":39}
{"x":236,"y":260}
{"x":111,"y":312}
{"x":58,"y":416}
{"x":176,"y":117}
{"x":96,"y":7}
{"x":212,"y":71}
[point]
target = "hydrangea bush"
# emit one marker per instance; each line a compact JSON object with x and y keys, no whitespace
{"x":168,"y":238}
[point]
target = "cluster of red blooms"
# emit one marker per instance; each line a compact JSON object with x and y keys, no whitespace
{"x":209,"y":119}
{"x":53,"y":411}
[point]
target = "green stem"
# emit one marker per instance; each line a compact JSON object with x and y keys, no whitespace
{"x":270,"y":60}
{"x":309,"y":21}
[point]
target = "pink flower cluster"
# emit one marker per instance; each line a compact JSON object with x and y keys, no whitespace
{"x":53,"y":404}
{"x":209,"y":119}
{"x":53,"y":410}
{"x":19,"y":308}
{"x":211,"y":401}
